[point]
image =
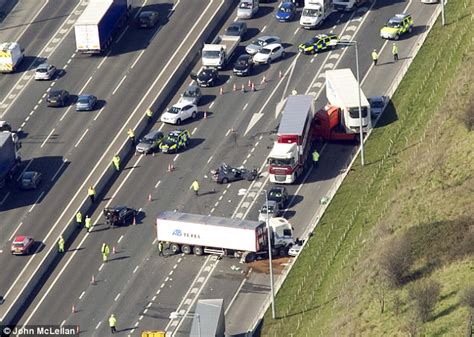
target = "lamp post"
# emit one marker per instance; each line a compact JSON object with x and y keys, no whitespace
{"x":269,"y":238}
{"x":443,"y":20}
{"x":176,"y":315}
{"x":361,"y":134}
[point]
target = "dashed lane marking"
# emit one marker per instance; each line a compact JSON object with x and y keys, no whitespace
{"x":98,"y":324}
{"x":209,"y":160}
{"x":101,"y":266}
{"x":176,"y":157}
{"x":82,"y":294}
{"x":116,"y":297}
{"x":211,"y":105}
{"x":80,"y":139}
{"x":120,"y":83}
{"x":194,"y":131}
{"x":59,"y":170}
{"x":44,"y":142}
{"x":135,"y":270}
{"x":98,"y":114}
{"x":157,"y":183}
{"x":120,"y":238}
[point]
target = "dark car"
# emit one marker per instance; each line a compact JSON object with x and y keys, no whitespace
{"x":148,"y":19}
{"x":206,"y":77}
{"x":119,"y":216}
{"x":175,"y":141}
{"x":86,"y":102}
{"x":237,"y":28}
{"x":244,"y":65}
{"x":29,"y":180}
{"x":5,"y":126}
{"x":225,"y":174}
{"x":278,"y":194}
{"x":57,"y":98}
{"x":150,"y":142}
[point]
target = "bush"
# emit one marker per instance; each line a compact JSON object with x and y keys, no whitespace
{"x":467,"y":296}
{"x":395,"y":260}
{"x":425,"y":293}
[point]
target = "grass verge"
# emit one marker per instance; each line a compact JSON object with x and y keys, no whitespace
{"x":418,"y":185}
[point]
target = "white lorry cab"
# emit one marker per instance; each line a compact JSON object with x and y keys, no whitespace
{"x":11,"y":55}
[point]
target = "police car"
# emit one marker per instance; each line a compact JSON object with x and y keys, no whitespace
{"x":398,"y":25}
{"x":319,"y":43}
{"x":175,"y":141}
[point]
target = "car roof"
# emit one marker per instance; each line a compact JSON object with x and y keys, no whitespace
{"x":286,"y":4}
{"x":56,"y":92}
{"x":266,"y":37}
{"x":181,"y":104}
{"x":152,"y":133}
{"x":237,"y":24}
{"x":278,"y":188}
{"x":272,"y":45}
{"x":28,"y":174}
{"x":246,"y":56}
{"x":192,"y":87}
{"x":270,"y":203}
{"x":85,"y":96}
{"x":22,"y":238}
{"x":147,"y":13}
{"x":43,"y":66}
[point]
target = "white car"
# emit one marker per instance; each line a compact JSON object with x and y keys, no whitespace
{"x":295,"y":249}
{"x":430,"y":1}
{"x":45,"y":71}
{"x":269,"y":53}
{"x":179,"y":112}
{"x":261,"y":42}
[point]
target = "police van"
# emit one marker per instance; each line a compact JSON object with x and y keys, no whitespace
{"x":10,"y":56}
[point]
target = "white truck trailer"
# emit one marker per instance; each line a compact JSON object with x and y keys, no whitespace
{"x":200,"y":234}
{"x":95,"y":28}
{"x":11,"y":55}
{"x":348,"y":5}
{"x":342,"y":90}
{"x":220,"y":51}
{"x":314,"y":13}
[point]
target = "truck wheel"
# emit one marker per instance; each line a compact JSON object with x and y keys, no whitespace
{"x":175,"y":248}
{"x":178,"y":122}
{"x":197,"y":250}
{"x":193,"y":116}
{"x":250,"y":257}
{"x":186,"y":249}
{"x":283,"y":252}
{"x":225,"y":181}
{"x":397,"y":37}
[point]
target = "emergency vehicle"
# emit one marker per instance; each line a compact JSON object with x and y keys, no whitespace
{"x":11,"y":55}
{"x":398,"y":25}
{"x":319,"y":43}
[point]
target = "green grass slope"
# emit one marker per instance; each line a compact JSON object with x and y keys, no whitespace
{"x":417,"y":186}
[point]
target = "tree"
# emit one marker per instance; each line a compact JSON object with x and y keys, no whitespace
{"x":395,"y":260}
{"x":425,"y":293}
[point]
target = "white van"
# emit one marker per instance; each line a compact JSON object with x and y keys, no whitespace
{"x":10,"y":56}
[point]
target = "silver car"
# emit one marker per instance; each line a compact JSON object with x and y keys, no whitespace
{"x":45,"y":71}
{"x":271,"y":207}
{"x":261,"y":42}
{"x":150,"y":142}
{"x":191,"y":95}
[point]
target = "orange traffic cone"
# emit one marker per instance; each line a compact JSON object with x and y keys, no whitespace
{"x":249,"y":84}
{"x":73,"y":310}
{"x":78,"y":329}
{"x":253,"y":87}
{"x":264,"y":79}
{"x":114,"y":251}
{"x":243,"y":88}
{"x":280,"y":74}
{"x":150,"y":197}
{"x":134,"y":220}
{"x":234,"y":88}
{"x":205,"y":114}
{"x":93,"y":279}
{"x":221,"y":91}
{"x":170,"y":167}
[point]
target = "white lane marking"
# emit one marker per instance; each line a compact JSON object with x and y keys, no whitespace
{"x":80,"y":139}
{"x":120,"y":83}
{"x":120,"y":238}
{"x":211,"y":105}
{"x":138,"y":57}
{"x":296,"y":31}
{"x":153,"y":299}
{"x":44,"y":142}
{"x":135,"y":270}
{"x":34,"y":108}
{"x":157,"y":184}
{"x":25,"y":169}
{"x":171,"y":272}
{"x":245,"y":106}
{"x":121,"y":35}
{"x":162,"y":285}
{"x":216,"y":204}
{"x":263,"y":29}
{"x":82,"y":294}
{"x":212,"y":210}
{"x":36,"y":202}
{"x":194,"y":131}
{"x":98,"y":114}
{"x":175,"y":266}
{"x":140,"y":318}
{"x":85,"y":85}
{"x":116,"y":297}
{"x":65,"y":113}
{"x":220,"y":198}
{"x":228,"y":131}
{"x":14,"y":232}
{"x":236,"y":293}
{"x":176,"y":157}
{"x":101,"y":266}
{"x":210,"y":158}
{"x":39,"y":102}
{"x":175,"y":5}
{"x":103,"y":60}
{"x":98,"y":324}
{"x":166,"y":279}
{"x":244,"y":162}
{"x":59,"y":170}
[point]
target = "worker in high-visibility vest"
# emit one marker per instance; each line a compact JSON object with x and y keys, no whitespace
{"x":315,"y":156}
{"x":88,"y":223}
{"x":116,"y":162}
{"x":105,"y":250}
{"x":395,"y":52}
{"x":79,"y":219}
{"x":195,"y":187}
{"x":149,"y":115}
{"x":375,"y":57}
{"x":131,"y":136}
{"x":113,"y":324}
{"x":91,"y":193}
{"x":61,"y":244}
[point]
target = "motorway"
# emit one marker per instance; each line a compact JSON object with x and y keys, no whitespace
{"x":68,"y":147}
{"x":136,"y":285}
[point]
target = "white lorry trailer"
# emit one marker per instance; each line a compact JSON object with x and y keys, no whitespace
{"x":200,"y":234}
{"x":314,"y":13}
{"x":95,"y":28}
{"x":219,"y":51}
{"x":11,"y":55}
{"x":342,"y":90}
{"x":348,"y":5}
{"x":10,"y":157}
